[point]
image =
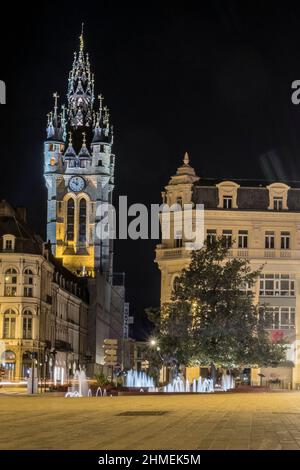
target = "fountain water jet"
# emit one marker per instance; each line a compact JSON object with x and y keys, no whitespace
{"x":135,"y":379}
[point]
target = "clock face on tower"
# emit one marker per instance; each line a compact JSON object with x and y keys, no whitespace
{"x":76,"y":184}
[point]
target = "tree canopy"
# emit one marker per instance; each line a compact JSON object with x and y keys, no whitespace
{"x":212,"y":317}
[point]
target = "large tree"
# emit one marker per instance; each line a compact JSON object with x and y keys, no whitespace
{"x":212,"y":318}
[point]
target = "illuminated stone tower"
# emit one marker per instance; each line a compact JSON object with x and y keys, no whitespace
{"x":79,"y":173}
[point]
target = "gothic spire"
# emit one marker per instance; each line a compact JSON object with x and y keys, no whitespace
{"x":79,"y":114}
{"x":70,"y":153}
{"x":80,"y":89}
{"x":56,"y":122}
{"x":186,"y":159}
{"x":84,"y":153}
{"x":103,"y":131}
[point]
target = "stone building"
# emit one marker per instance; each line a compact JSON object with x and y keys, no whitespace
{"x":261,"y":222}
{"x":43,"y":307}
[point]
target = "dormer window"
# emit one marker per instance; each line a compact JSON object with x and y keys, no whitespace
{"x":278,"y":203}
{"x":227,"y":195}
{"x":227,"y":202}
{"x":9,"y":242}
{"x":278,"y":195}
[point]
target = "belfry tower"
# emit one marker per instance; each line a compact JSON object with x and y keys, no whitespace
{"x":79,"y":172}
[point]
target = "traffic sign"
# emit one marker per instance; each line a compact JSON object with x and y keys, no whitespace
{"x":111,"y":342}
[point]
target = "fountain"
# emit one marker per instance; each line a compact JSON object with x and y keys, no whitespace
{"x":198,"y":386}
{"x":141,"y":381}
{"x":227,"y":382}
{"x":135,"y":379}
{"x":80,"y":386}
{"x":72,"y":394}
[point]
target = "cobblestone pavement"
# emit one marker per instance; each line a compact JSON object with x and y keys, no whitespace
{"x":233,"y":421}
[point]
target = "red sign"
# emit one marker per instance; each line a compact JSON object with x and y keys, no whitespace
{"x":276,"y":336}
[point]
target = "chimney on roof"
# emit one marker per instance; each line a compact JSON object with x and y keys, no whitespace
{"x":22,"y":213}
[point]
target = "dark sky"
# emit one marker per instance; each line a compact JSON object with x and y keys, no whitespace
{"x":213,"y":80}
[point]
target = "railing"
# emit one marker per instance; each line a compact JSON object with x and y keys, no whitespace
{"x":251,"y":253}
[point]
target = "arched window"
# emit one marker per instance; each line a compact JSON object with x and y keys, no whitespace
{"x":82,"y":220}
{"x":10,"y":283}
{"x":70,"y":219}
{"x":27,"y":324}
{"x":9,"y":324}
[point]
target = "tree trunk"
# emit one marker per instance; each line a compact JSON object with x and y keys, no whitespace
{"x":213,"y":373}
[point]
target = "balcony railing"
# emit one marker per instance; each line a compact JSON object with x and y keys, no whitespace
{"x":251,"y":253}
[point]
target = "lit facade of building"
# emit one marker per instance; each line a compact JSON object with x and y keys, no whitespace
{"x":43,"y":307}
{"x":79,"y":175}
{"x":261,"y":222}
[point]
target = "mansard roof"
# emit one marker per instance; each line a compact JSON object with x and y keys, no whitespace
{"x":251,"y":194}
{"x":12,"y":223}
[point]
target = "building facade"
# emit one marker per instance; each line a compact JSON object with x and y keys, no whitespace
{"x":43,"y":307}
{"x":261,"y":222}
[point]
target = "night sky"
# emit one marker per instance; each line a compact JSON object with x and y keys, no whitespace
{"x":215,"y":81}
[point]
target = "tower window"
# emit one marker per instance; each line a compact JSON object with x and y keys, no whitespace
{"x":82,"y":220}
{"x":70,"y":220}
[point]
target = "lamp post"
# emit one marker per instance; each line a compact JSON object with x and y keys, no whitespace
{"x":53,"y":354}
{"x":34,"y":356}
{"x":45,"y":370}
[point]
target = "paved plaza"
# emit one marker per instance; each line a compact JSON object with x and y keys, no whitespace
{"x":232,"y":421}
